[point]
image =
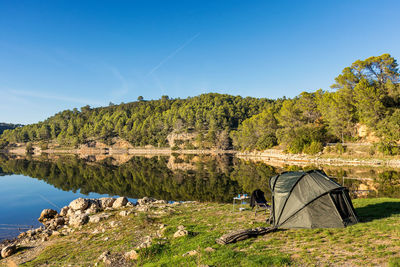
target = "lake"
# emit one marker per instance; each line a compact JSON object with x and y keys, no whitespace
{"x":29,"y":185}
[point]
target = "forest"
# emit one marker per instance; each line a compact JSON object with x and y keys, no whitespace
{"x":366,"y":93}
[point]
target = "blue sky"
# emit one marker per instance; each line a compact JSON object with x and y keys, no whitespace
{"x":57,"y":55}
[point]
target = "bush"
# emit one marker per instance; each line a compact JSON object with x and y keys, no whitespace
{"x":43,"y":145}
{"x":265,"y":142}
{"x":3,"y":144}
{"x":29,"y":148}
{"x":388,"y":149}
{"x":340,"y":148}
{"x":313,"y":148}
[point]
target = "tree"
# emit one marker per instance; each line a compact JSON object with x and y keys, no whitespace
{"x":140,"y":98}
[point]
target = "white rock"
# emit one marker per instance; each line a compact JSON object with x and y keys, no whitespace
{"x":106,"y":202}
{"x":180,"y":233}
{"x":124,"y":213}
{"x":145,"y":201}
{"x":78,"y":220}
{"x":132,"y":255}
{"x":98,"y":217}
{"x":79,"y":204}
{"x":190,"y":253}
{"x":64,"y":211}
{"x":120,"y":202}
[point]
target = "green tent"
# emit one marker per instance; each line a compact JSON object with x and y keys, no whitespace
{"x":309,"y":200}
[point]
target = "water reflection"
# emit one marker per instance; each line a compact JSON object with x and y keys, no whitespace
{"x":183,"y":177}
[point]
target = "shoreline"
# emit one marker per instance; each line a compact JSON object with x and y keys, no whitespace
{"x":100,"y":232}
{"x":274,"y":156}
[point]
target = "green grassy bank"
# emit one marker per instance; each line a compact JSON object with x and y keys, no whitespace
{"x":374,"y":241}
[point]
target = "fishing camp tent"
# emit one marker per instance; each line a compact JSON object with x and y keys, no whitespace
{"x":309,"y":200}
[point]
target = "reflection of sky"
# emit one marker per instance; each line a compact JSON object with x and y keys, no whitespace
{"x":23,"y":198}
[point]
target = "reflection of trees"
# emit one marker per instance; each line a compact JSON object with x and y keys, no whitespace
{"x":251,"y":176}
{"x":388,"y":183}
{"x":209,"y":179}
{"x":137,"y":178}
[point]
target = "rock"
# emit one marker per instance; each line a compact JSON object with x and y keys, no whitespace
{"x":143,"y":208}
{"x":94,"y":207}
{"x":120,"y":202}
{"x":8,"y":251}
{"x":30,"y":233}
{"x":130,"y":205}
{"x":132,"y":255}
{"x":147,"y":243}
{"x":114,"y":224}
{"x":78,"y":220}
{"x":64,"y":211}
{"x":209,"y":249}
{"x":105,"y":257}
{"x":125,"y":213}
{"x":98,"y":217}
{"x":47,"y":214}
{"x":160,"y":202}
{"x":145,"y":201}
{"x":162,"y":226}
{"x":58,"y":221}
{"x":181,"y":227}
{"x":190,"y":253}
{"x":79,"y":204}
{"x":106,"y":202}
{"x":180,"y":233}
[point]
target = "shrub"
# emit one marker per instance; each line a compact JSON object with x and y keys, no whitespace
{"x":313,"y":148}
{"x":388,"y":149}
{"x":340,"y":148}
{"x":266,"y":141}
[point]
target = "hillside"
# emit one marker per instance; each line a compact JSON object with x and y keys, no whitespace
{"x":7,"y":126}
{"x":363,"y":106}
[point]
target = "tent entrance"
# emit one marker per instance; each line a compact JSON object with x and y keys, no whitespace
{"x":343,"y":206}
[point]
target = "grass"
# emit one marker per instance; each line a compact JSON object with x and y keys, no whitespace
{"x":373,"y":241}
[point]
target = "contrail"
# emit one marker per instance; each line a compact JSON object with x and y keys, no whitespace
{"x":48,"y":201}
{"x":173,"y":54}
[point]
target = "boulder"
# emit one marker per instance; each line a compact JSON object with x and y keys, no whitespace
{"x":105,"y":257}
{"x":120,"y":202}
{"x":78,"y":220}
{"x":209,"y":249}
{"x":125,"y":213}
{"x":106,"y":202}
{"x":132,"y":255}
{"x":190,"y":253}
{"x":146,"y":243}
{"x":181,"y":233}
{"x":64,"y":211}
{"x":145,"y":201}
{"x":47,"y":215}
{"x":98,"y":217}
{"x":58,"y":221}
{"x":79,"y":204}
{"x":8,"y":251}
{"x":93,"y":207}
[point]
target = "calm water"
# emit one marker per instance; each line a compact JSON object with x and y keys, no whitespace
{"x":27,"y":186}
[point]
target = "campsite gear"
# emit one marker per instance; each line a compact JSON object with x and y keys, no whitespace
{"x":258,"y":200}
{"x":309,"y":200}
{"x":302,"y":200}
{"x":242,"y":199}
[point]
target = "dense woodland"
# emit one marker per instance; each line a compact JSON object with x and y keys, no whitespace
{"x":365,"y":93}
{"x":7,"y":126}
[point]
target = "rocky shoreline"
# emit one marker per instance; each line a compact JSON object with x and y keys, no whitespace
{"x":83,"y":211}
